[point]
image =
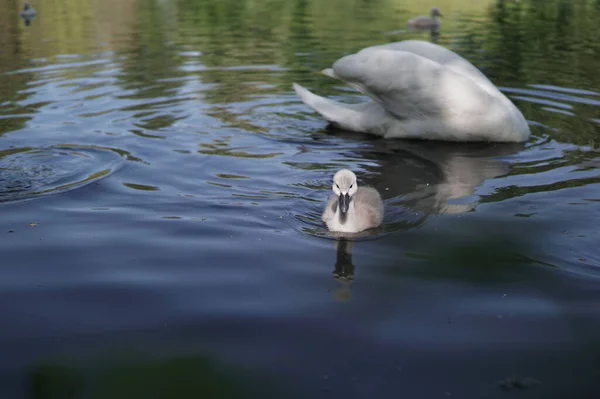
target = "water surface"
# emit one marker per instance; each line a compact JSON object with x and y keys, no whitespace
{"x":161,"y":188}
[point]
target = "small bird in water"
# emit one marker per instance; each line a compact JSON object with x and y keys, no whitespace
{"x":424,"y":22}
{"x":352,"y":209}
{"x":28,"y":13}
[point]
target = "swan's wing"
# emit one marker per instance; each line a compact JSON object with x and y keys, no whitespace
{"x":411,"y":86}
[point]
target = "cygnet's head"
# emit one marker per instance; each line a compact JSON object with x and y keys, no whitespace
{"x":435,"y":12}
{"x":344,"y":185}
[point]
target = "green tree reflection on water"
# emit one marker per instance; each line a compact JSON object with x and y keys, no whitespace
{"x":253,"y":48}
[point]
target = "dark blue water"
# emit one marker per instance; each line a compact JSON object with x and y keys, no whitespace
{"x":161,"y":187}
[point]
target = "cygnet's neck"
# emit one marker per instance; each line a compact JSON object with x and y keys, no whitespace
{"x":348,"y":216}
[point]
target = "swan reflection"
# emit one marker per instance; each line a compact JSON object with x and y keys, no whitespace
{"x":432,"y":177}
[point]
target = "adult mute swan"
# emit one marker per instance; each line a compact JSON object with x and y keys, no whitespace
{"x":352,"y":209}
{"x":422,"y":91}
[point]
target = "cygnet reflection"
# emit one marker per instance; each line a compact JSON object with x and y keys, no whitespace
{"x":432,"y":177}
{"x":344,"y":269}
{"x":434,"y":34}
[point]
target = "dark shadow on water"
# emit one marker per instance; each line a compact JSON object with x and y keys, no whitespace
{"x":132,"y":377}
{"x":487,"y":251}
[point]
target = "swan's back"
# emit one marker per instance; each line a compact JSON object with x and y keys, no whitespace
{"x":442,"y":56}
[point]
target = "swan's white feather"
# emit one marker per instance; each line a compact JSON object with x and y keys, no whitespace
{"x":420,"y":90}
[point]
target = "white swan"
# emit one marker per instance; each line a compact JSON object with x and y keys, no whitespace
{"x":352,"y":209}
{"x":420,"y":90}
{"x":423,"y":21}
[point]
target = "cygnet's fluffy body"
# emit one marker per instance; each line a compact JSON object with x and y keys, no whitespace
{"x":28,"y":11}
{"x":424,"y":21}
{"x":352,"y":209}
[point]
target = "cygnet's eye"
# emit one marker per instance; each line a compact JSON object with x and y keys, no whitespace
{"x":351,"y":185}
{"x":337,"y":186}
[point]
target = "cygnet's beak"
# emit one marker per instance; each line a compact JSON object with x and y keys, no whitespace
{"x":344,"y":201}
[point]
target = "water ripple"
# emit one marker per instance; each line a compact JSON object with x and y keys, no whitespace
{"x":27,"y":173}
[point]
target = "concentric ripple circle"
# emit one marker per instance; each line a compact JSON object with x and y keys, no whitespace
{"x":27,"y":173}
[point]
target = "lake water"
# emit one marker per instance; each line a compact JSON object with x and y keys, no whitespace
{"x":161,"y":188}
